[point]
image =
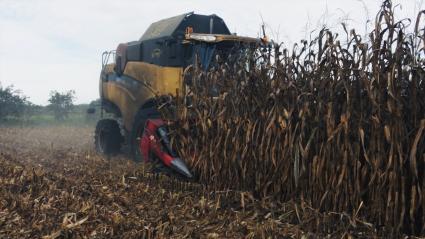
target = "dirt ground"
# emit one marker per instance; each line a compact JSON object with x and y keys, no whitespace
{"x":54,"y":185}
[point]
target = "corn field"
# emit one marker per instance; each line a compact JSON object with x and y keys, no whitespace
{"x":336,"y":122}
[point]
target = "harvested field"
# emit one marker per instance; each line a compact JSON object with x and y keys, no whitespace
{"x":53,"y":185}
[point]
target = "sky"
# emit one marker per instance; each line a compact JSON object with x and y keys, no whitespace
{"x":50,"y":45}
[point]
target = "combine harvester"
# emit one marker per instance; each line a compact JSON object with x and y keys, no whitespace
{"x":153,"y":67}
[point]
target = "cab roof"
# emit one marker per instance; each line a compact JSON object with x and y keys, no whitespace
{"x":175,"y":26}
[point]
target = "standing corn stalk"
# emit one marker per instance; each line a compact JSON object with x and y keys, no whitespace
{"x":337,"y":125}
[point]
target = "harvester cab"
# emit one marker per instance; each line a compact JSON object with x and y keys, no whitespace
{"x":148,"y":69}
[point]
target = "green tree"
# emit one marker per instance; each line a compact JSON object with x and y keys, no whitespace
{"x":61,"y":103}
{"x":12,"y":103}
{"x":33,"y":109}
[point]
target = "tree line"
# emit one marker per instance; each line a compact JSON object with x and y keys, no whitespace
{"x":15,"y":105}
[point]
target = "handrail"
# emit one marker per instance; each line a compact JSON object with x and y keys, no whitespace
{"x":106,"y":56}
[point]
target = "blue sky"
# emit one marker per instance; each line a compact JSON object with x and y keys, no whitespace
{"x":57,"y":44}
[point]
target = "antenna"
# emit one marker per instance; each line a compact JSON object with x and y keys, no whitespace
{"x":263,"y":26}
{"x":264,"y":39}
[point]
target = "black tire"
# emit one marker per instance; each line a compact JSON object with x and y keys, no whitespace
{"x":137,"y":130}
{"x":108,"y":138}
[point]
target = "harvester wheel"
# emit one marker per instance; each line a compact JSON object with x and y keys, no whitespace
{"x":138,"y":128}
{"x":108,"y":138}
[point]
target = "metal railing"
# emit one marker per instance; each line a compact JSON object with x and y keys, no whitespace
{"x":106,"y":56}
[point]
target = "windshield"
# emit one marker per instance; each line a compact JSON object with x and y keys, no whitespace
{"x":210,"y":55}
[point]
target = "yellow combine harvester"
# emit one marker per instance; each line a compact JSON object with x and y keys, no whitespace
{"x":149,"y":68}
